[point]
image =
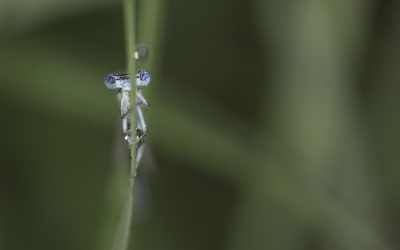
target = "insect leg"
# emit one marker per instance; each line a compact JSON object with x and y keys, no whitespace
{"x":141,"y":123}
{"x":126,"y":126}
{"x":141,"y":128}
{"x":126,"y":130}
{"x":141,"y":134}
{"x":125,"y":103}
{"x":140,"y":100}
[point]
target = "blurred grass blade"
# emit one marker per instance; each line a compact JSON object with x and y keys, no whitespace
{"x":122,"y":235}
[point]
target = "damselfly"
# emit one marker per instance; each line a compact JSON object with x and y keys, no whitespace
{"x":122,"y":83}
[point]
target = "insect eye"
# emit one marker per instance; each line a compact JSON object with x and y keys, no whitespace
{"x":143,"y":75}
{"x":109,"y":80}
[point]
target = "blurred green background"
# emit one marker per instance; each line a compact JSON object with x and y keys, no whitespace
{"x":273,"y":125}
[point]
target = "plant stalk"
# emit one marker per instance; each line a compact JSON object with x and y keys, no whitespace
{"x":123,"y":232}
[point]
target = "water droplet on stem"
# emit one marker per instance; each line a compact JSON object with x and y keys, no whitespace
{"x":141,"y":53}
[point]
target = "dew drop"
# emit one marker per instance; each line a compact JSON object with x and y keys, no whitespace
{"x":141,"y":53}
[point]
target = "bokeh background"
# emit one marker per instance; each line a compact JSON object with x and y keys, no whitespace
{"x":273,"y":125}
